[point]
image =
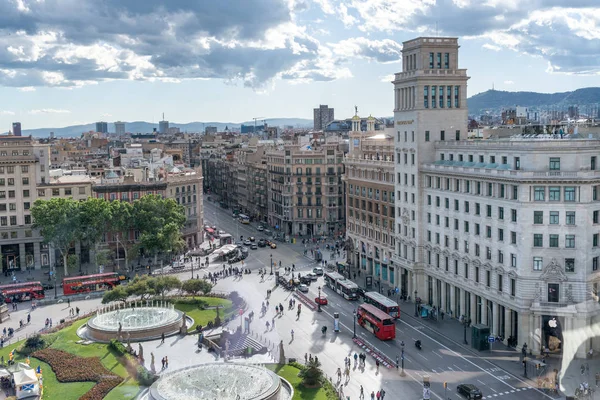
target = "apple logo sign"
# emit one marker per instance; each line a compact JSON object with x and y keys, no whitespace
{"x":552,"y":323}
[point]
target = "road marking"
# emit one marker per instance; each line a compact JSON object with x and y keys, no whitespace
{"x":457,"y":367}
{"x":480,"y":382}
{"x":495,"y":391}
{"x":461,"y":356}
{"x":421,"y":384}
{"x":437,"y":354}
{"x":422,"y":356}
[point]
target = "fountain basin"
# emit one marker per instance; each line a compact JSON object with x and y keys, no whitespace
{"x":223,"y":381}
{"x":136,"y":323}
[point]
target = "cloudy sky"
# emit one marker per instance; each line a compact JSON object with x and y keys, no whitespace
{"x":65,"y":62}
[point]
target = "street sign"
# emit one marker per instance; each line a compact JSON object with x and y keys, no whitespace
{"x":491,"y":339}
{"x":396,"y":290}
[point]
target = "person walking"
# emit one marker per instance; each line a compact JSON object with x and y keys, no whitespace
{"x":292,"y":334}
{"x":362,"y":393}
{"x":372,"y":395}
{"x":355,"y":358}
{"x":163,"y":363}
{"x":382,"y":394}
{"x":378,"y":395}
{"x":377,"y":364}
{"x":162,"y":338}
{"x":166,"y":362}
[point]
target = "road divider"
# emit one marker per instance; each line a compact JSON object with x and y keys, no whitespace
{"x":304,"y":299}
{"x":382,"y":358}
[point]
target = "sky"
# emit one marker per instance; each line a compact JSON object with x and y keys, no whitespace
{"x":67,"y":62}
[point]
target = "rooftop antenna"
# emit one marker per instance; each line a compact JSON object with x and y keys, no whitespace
{"x":436,"y":29}
{"x":492,"y":85}
{"x":163,"y":116}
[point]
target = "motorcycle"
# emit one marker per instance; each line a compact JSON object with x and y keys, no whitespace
{"x":418,"y":344}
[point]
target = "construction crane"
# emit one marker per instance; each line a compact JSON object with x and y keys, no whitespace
{"x":255,"y":119}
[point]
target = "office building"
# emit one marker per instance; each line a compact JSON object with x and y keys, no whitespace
{"x":322,"y":116}
{"x":120,"y":128}
{"x":499,"y":230}
{"x":370,"y":205}
{"x":23,"y":165}
{"x":16,"y":128}
{"x":102,"y":127}
{"x":163,"y":126}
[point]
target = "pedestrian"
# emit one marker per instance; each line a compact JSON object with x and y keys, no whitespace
{"x":378,"y":395}
{"x":68,"y":302}
{"x":372,"y":395}
{"x":163,"y":363}
{"x":377,"y":364}
{"x":162,"y":338}
{"x":362,"y":393}
{"x":166,"y":362}
{"x":382,"y":394}
{"x":77,"y":311}
{"x":273,"y":323}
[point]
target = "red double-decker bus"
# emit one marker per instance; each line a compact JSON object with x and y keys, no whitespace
{"x":91,"y":283}
{"x":376,"y":321}
{"x":383,"y":303}
{"x":23,"y":291}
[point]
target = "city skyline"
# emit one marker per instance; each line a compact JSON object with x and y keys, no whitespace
{"x":126,"y":63}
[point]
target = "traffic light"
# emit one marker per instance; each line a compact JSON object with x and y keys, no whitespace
{"x":445,"y":385}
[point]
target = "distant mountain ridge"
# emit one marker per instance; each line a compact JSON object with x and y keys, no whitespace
{"x":147,"y":127}
{"x":495,"y":100}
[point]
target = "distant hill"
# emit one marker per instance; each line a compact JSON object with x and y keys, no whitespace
{"x":146,"y":127}
{"x":495,"y":100}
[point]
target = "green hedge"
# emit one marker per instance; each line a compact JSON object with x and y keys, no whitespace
{"x":117,"y":347}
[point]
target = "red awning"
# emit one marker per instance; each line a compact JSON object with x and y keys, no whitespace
{"x":210,"y":230}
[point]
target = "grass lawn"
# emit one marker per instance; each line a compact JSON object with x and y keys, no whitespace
{"x":202,"y":317}
{"x":290,"y":373}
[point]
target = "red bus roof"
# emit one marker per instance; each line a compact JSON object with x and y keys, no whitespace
{"x":95,"y":276}
{"x":20,"y":284}
{"x":381,"y":315}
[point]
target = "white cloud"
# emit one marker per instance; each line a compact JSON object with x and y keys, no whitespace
{"x":509,"y":82}
{"x":385,"y":50}
{"x":387,"y":78}
{"x":6,"y":112}
{"x":27,"y":89}
{"x":49,"y":111}
{"x":106,"y":115}
{"x":492,"y":47}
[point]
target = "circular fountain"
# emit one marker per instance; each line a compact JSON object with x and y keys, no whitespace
{"x":142,"y":320}
{"x":223,"y":381}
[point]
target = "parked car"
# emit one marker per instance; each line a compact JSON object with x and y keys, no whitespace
{"x":254,"y":246}
{"x":469,"y":391}
{"x":260,"y":228}
{"x":247,"y":242}
{"x":48,"y":285}
{"x":273,"y":245}
{"x":303,"y":288}
{"x":251,"y":238}
{"x":267,"y":232}
{"x":321,"y":300}
{"x":305,"y":279}
{"x":262,"y":243}
{"x":318,"y":271}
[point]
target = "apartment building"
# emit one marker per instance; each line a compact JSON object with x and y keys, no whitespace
{"x":305,"y":185}
{"x":23,"y":165}
{"x":370,"y":205}
{"x":503,"y":231}
{"x":186,"y":189}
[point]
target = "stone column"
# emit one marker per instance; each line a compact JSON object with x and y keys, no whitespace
{"x":463,"y":302}
{"x":473,"y":315}
{"x":496,"y":318}
{"x":537,"y":334}
{"x":22,"y":258}
{"x":443,"y":294}
{"x":452,"y":300}
{"x":37,"y":257}
{"x":507,"y":323}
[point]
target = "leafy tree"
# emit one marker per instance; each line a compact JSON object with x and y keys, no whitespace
{"x":159,"y":222}
{"x":140,"y":286}
{"x":72,"y":262}
{"x":94,"y":220}
{"x":193,"y":286}
{"x":164,"y":284}
{"x":102,"y":257}
{"x":118,"y":293}
{"x":312,"y":374}
{"x":121,"y":223}
{"x":57,"y":220}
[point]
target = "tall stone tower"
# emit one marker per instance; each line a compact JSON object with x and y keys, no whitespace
{"x":430,"y":106}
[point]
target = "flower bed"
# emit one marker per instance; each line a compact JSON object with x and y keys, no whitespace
{"x":70,"y":368}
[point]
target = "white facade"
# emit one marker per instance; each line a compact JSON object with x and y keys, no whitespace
{"x":502,"y":231}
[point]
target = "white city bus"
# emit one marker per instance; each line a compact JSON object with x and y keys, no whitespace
{"x":341,"y":285}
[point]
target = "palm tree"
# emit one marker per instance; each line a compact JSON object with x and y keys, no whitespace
{"x":311,"y":375}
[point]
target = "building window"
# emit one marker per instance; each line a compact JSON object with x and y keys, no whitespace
{"x":488,"y":278}
{"x":595,"y":264}
{"x":570,"y":220}
{"x":500,"y":257}
{"x":537,"y":263}
{"x":457,"y":135}
{"x":477,"y":274}
{"x":554,"y":163}
{"x":553,"y":292}
{"x":456,"y":96}
{"x":553,"y":240}
{"x":500,"y":235}
{"x":554,"y":217}
{"x":570,"y":194}
{"x":539,"y":193}
{"x":593,"y":163}
{"x":55,"y":192}
{"x":513,"y":287}
{"x":554,"y":194}
{"x":513,"y":260}
{"x":513,"y":237}
{"x":538,"y":217}
{"x":442,"y":135}
{"x":538,"y":240}
{"x":595,"y":216}
{"x":439,"y":60}
{"x":441,"y":96}
{"x":570,"y":241}
{"x":569,"y":265}
{"x":513,"y":215}
{"x":517,"y":163}
{"x":430,"y":60}
{"x":500,"y":281}
{"x":433,"y":102}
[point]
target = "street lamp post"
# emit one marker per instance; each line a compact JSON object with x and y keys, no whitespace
{"x":319,"y":305}
{"x":402,"y":358}
{"x":192,"y":261}
{"x":416,"y":311}
{"x":354,"y":315}
{"x":465,"y":331}
{"x":271,"y":264}
{"x":491,"y":322}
